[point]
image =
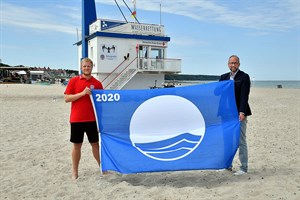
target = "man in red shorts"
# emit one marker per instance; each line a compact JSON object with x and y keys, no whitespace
{"x":82,"y":117}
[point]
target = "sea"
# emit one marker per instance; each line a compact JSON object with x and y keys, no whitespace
{"x":254,"y":83}
{"x":276,"y":84}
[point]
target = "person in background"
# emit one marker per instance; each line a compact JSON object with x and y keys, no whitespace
{"x":242,"y":91}
{"x":82,"y":117}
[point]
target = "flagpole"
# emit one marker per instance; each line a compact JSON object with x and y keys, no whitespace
{"x":160,"y":13}
{"x":100,"y":141}
{"x":100,"y":164}
{"x":134,"y":10}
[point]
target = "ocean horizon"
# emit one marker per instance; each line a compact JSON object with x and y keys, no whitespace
{"x":254,"y":83}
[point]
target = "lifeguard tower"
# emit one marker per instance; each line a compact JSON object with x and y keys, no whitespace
{"x":126,"y":55}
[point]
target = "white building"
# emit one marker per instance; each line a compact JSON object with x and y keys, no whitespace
{"x":129,"y":55}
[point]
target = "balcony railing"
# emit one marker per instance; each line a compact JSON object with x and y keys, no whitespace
{"x":159,"y":65}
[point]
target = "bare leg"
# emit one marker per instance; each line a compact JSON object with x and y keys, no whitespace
{"x":95,"y":149}
{"x":76,"y":154}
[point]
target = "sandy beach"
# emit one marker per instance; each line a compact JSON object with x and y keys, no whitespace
{"x":35,"y":154}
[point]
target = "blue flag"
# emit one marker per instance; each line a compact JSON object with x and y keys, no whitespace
{"x":181,"y":128}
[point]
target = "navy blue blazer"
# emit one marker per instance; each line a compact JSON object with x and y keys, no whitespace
{"x":241,"y":90}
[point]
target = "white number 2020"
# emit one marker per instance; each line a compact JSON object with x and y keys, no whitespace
{"x":108,"y":97}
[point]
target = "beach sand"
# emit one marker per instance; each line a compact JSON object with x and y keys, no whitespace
{"x":35,"y":154}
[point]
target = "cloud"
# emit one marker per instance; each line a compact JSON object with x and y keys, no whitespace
{"x":262,"y":16}
{"x":13,"y":47}
{"x":37,"y":18}
{"x":255,"y":14}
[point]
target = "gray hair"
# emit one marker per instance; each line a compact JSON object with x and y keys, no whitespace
{"x":234,"y":56}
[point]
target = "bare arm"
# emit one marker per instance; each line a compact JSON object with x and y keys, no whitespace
{"x":74,"y":97}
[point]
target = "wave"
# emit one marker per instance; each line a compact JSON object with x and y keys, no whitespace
{"x":170,"y":148}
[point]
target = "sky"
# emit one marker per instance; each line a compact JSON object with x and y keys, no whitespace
{"x":204,"y":33}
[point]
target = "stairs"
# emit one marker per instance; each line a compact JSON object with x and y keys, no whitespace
{"x":121,"y":75}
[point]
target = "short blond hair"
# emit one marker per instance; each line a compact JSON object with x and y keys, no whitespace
{"x":86,"y":60}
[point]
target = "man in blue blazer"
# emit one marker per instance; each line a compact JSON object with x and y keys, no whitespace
{"x":242,"y":90}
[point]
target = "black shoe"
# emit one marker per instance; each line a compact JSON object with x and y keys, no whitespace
{"x":229,"y":169}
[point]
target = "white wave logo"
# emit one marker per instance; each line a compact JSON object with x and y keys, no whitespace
{"x":167,"y":128}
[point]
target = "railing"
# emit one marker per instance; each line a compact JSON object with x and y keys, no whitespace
{"x":120,"y":75}
{"x":124,"y":72}
{"x":159,"y":65}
